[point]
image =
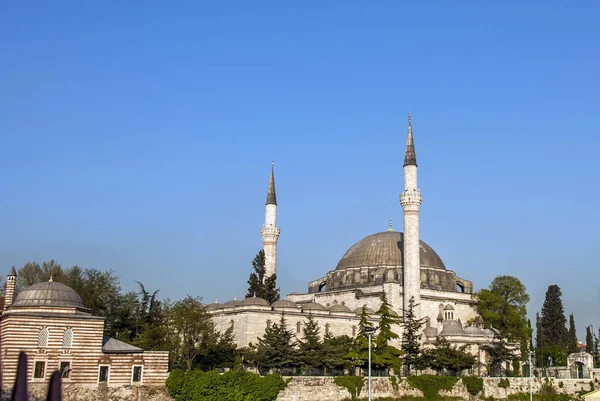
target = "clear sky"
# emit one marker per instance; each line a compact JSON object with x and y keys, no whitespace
{"x":138,"y":136}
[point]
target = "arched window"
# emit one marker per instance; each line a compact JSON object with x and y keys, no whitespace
{"x":269,"y":324}
{"x":298,"y":327}
{"x":460,"y":287}
{"x":43,"y":338}
{"x":322,"y":286}
{"x":326,"y":328}
{"x":68,"y":338}
{"x":353,"y":331}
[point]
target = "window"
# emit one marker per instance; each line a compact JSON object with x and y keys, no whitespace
{"x":353,"y":331}
{"x":65,"y":369}
{"x":68,"y":338}
{"x":136,"y":376}
{"x":103,"y":374}
{"x":43,"y":338}
{"x":326,"y":328}
{"x":298,"y":327}
{"x":269,"y":324}
{"x":39,"y":369}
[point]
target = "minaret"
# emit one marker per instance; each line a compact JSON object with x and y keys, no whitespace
{"x":11,"y":281}
{"x":410,"y":200}
{"x":270,"y":231}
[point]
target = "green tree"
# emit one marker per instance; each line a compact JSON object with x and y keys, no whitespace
{"x":334,"y":351}
{"x":572,"y":343}
{"x":554,"y":333}
{"x":411,"y":337}
{"x":444,"y":357}
{"x":259,"y":284}
{"x":385,"y":355}
{"x":589,"y":341}
{"x":504,"y":306}
{"x":498,"y":353}
{"x":193,"y":331}
{"x":310,"y":345}
{"x":223,"y":352}
{"x":360,"y":349}
{"x":276,"y":349}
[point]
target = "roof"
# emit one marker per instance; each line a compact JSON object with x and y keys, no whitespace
{"x":284,"y":303}
{"x":452,"y":328}
{"x":385,"y":249}
{"x":12,"y":272}
{"x":48,"y":294}
{"x":312,"y":306}
{"x":112,"y":346}
{"x":367,"y":309}
{"x":410,"y":159}
{"x":448,"y":307}
{"x":339,"y":308}
{"x":254,"y":301}
{"x":232,"y":303}
{"x":271,"y":196}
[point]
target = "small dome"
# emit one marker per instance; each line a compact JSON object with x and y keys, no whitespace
{"x":448,"y":307}
{"x":452,"y":328}
{"x":49,"y":293}
{"x":473,"y":331}
{"x":358,"y":311}
{"x":254,"y":301}
{"x":284,"y":303}
{"x":232,"y":303}
{"x":214,"y":305}
{"x":394,"y":313}
{"x":312,"y":306}
{"x":339,"y":308}
{"x":430,"y":331}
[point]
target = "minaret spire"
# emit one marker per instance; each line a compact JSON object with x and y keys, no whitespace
{"x":270,"y":231}
{"x":271,"y":196}
{"x":410,"y":158}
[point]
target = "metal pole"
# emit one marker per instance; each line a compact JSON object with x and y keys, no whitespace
{"x":369,"y":367}
{"x":530,"y":379}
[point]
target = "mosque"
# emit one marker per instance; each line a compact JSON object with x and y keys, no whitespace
{"x":399,"y":264}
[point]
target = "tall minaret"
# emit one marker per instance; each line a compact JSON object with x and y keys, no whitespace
{"x":11,"y":281}
{"x":270,"y":231}
{"x":410,"y":200}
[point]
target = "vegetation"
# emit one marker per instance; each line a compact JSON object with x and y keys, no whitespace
{"x":444,"y":357}
{"x":385,"y":355}
{"x":504,"y":383}
{"x":411,"y":338}
{"x":234,"y":385}
{"x":276,"y":349}
{"x":359,"y":353}
{"x":310,"y":346}
{"x":572,"y":336}
{"x":473,"y":384}
{"x":552,"y":336}
{"x":353,"y":384}
{"x":259,"y":284}
{"x":431,"y":385}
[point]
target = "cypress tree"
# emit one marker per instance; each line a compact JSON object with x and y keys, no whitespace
{"x":411,"y":337}
{"x":572,"y":335}
{"x":555,"y":335}
{"x":589,"y":341}
{"x":259,"y":284}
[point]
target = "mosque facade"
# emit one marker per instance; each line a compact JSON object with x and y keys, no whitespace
{"x":397,"y":263}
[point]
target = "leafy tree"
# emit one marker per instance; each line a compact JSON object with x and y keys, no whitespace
{"x":223,"y":352}
{"x":276,"y":349}
{"x":259,"y":284}
{"x":411,"y":337}
{"x":360,"y":349}
{"x":572,"y":342}
{"x":385,"y":355}
{"x":446,"y":357}
{"x":334,"y":351}
{"x":554,"y":334}
{"x":499,"y":353}
{"x":504,"y":306}
{"x":193,"y":331}
{"x":310,"y":345}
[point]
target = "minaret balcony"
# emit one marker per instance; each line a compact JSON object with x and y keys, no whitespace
{"x":411,"y":197}
{"x":269,"y":230}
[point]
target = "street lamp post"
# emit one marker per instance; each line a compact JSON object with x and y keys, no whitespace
{"x":530,"y":377}
{"x":369,"y":332}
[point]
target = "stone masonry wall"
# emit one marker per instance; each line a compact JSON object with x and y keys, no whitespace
{"x":74,"y":392}
{"x":323,"y":388}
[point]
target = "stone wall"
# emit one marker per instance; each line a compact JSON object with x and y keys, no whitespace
{"x":74,"y":392}
{"x":323,"y":388}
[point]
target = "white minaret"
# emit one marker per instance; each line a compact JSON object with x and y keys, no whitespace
{"x":270,"y":231}
{"x":410,"y":200}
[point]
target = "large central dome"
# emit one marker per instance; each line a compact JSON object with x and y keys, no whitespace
{"x":385,"y":249}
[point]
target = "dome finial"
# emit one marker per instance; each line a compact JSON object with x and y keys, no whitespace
{"x":390,"y":225}
{"x":50,"y":279}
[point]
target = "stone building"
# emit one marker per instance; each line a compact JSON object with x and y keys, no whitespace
{"x":50,"y":323}
{"x":399,"y":264}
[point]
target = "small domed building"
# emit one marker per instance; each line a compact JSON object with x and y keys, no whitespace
{"x":50,"y":323}
{"x":397,"y":263}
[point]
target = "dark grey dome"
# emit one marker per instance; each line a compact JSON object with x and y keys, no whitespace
{"x":312,"y":306}
{"x":339,"y":308}
{"x":49,"y":293}
{"x":284,"y":303}
{"x":254,"y":301}
{"x":385,"y":249}
{"x":232,"y":303}
{"x":367,"y":309}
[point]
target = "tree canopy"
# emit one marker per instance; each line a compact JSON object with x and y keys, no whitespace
{"x":259,"y":284}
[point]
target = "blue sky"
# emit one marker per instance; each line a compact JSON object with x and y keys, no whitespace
{"x":137,"y":136}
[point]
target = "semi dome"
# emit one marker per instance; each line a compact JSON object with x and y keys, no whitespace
{"x":49,"y":294}
{"x":385,"y":249}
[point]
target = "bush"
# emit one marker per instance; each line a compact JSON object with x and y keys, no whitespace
{"x":234,"y":385}
{"x":395,"y":383}
{"x":504,"y":383}
{"x":431,"y":385}
{"x":353,"y":384}
{"x":473,"y":384}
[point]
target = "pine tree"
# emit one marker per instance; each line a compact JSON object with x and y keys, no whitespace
{"x":276,"y":349}
{"x":385,"y":355}
{"x":259,"y":284}
{"x":411,"y":336}
{"x":555,"y":336}
{"x":310,"y":345}
{"x":360,"y":348}
{"x":572,"y":335}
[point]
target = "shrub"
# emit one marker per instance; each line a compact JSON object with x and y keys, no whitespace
{"x":561,"y":384}
{"x":395,"y":383}
{"x":233,"y":385}
{"x":353,"y":384}
{"x":473,"y":384}
{"x":431,"y":385}
{"x":504,"y":383}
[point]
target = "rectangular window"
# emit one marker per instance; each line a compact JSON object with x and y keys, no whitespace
{"x":103,"y":374}
{"x":65,"y":369}
{"x":39,"y":370}
{"x":137,"y":374}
